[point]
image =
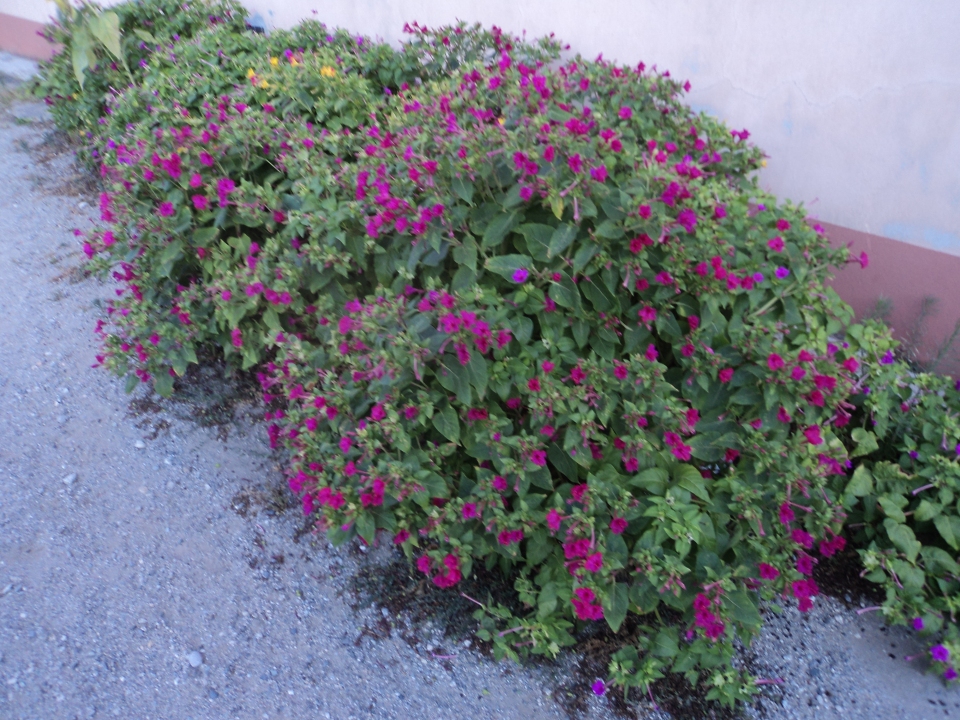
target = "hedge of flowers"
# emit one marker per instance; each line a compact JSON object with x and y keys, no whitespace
{"x":528,"y":313}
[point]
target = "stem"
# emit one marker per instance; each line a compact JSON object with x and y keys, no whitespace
{"x":861,"y":611}
{"x":477,"y":602}
{"x":769,"y":681}
{"x":507,"y":632}
{"x":922,"y":488}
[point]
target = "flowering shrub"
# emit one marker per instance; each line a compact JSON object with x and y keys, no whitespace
{"x":536,"y":317}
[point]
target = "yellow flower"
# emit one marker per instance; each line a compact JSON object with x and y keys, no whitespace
{"x":274,"y":61}
{"x":327,"y":71}
{"x":264,"y":84}
{"x":763,"y":163}
{"x":501,"y":121}
{"x":293,"y":62}
{"x":250,"y":73}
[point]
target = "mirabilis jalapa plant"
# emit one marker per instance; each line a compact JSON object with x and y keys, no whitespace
{"x":540,"y":319}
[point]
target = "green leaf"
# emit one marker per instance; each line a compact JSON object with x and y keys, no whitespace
{"x":861,"y":484}
{"x":561,"y":239}
{"x":144,"y":35}
{"x":689,"y":478}
{"x":666,"y":643}
{"x":945,"y":528}
{"x":447,"y":424}
{"x":106,"y":28}
{"x":507,"y":265}
{"x":163,"y":384}
{"x":903,"y":538}
{"x":615,"y":606}
{"x":466,"y":253}
{"x":547,"y":600}
{"x":477,"y":371}
{"x":562,"y":461}
{"x":538,"y":239}
{"x":81,"y":45}
{"x":367,"y":527}
{"x":743,"y":608}
{"x":463,"y":188}
{"x":891,"y":509}
{"x":866,"y":442}
{"x":584,"y":254}
{"x":499,"y":227}
{"x":654,"y":480}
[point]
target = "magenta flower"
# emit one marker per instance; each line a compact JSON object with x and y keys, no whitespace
{"x":781,"y":273}
{"x":200,"y":202}
{"x":600,"y":687}
{"x":165,"y":209}
{"x":949,"y":674}
{"x":594,"y":562}
{"x":687,"y":219}
{"x":644,"y":211}
{"x":625,"y":113}
{"x":651,"y":353}
{"x":786,"y":514}
{"x":575,"y":163}
{"x":578,"y":375}
{"x":775,"y":362}
{"x":775,"y":244}
{"x":520,"y":275}
{"x":768,"y":572}
{"x":599,"y":173}
{"x":864,"y":260}
{"x":538,"y":457}
{"x":802,"y":537}
{"x":918,"y":623}
{"x":647,"y":314}
{"x":812,"y":434}
{"x":725,"y":375}
{"x":236,"y":337}
{"x":940,"y":653}
{"x":225,"y":186}
{"x":469,"y":511}
{"x":798,"y":373}
{"x":553,"y":520}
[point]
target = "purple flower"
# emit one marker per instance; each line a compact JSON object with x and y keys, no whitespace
{"x":940,"y":653}
{"x":758,"y":277}
{"x":949,"y":674}
{"x":781,"y":273}
{"x":599,"y":687}
{"x":688,"y":219}
{"x":918,"y":623}
{"x":914,"y":454}
{"x":520,"y":275}
{"x":887,"y":359}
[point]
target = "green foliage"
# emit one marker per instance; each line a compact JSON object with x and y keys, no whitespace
{"x":539,"y":317}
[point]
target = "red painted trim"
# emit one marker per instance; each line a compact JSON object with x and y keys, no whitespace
{"x":905,"y":274}
{"x":19,"y":36}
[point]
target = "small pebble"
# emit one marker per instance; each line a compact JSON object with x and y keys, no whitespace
{"x":213,"y":694}
{"x":70,"y":479}
{"x":195,"y":659}
{"x":139,"y":444}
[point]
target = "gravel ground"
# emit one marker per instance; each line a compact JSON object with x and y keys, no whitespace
{"x":148,"y":568}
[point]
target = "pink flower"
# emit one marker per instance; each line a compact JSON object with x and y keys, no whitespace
{"x":782,"y":415}
{"x":775,"y":244}
{"x":553,"y":520}
{"x":802,"y":537}
{"x":165,"y":209}
{"x":768,"y":572}
{"x":812,"y":434}
{"x":618,"y":525}
{"x":594,"y":562}
{"x":631,"y":464}
{"x":864,"y":260}
{"x":377,"y":413}
{"x":520,"y":275}
{"x":651,"y":353}
{"x":538,"y":457}
{"x":775,"y":362}
{"x":575,"y":163}
{"x":200,"y":202}
{"x":236,"y":337}
{"x":805,"y":564}
{"x":725,"y":375}
{"x":547,"y":366}
{"x":798,"y":373}
{"x":469,"y":511}
{"x":578,"y":375}
{"x":647,"y":314}
{"x":533,"y":385}
{"x":644,"y":211}
{"x":625,"y":113}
